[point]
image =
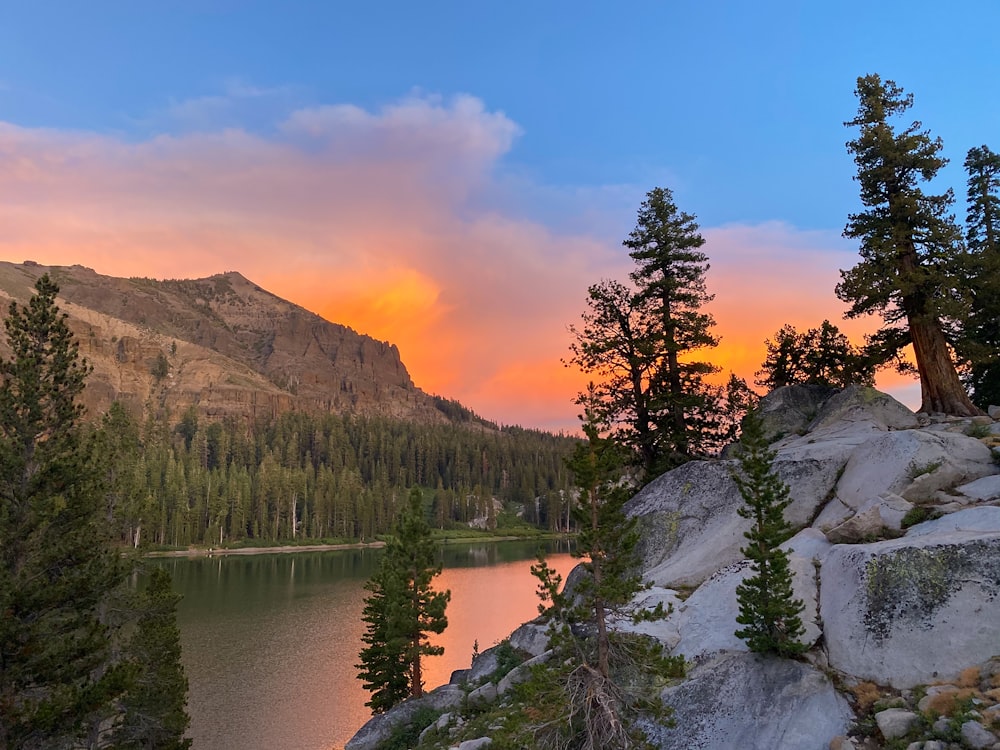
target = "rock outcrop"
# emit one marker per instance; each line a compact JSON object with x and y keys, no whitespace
{"x":917,"y":609}
{"x":741,"y":701}
{"x":896,"y":559}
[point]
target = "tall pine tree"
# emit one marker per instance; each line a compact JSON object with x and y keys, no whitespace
{"x":910,"y":244}
{"x":401,"y":612}
{"x":643,"y":343}
{"x":57,"y":566}
{"x":980,"y":340}
{"x":605,"y":682}
{"x":769,"y":610}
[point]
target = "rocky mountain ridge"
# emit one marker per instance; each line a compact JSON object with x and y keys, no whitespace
{"x":897,"y":561}
{"x":222,"y":345}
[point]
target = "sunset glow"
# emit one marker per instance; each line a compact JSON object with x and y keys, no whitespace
{"x":427,"y":200}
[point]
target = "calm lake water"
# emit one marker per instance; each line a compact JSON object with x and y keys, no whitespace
{"x":270,"y":641}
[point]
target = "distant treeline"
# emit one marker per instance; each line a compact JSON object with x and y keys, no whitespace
{"x":305,"y":476}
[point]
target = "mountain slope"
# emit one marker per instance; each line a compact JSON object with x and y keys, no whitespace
{"x":221,"y":344}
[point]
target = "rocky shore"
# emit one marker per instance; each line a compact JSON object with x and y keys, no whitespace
{"x":896,"y":558}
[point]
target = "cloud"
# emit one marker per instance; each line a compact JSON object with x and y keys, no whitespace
{"x":361,"y":216}
{"x":766,"y":275}
{"x":397,"y":222}
{"x":239,"y":104}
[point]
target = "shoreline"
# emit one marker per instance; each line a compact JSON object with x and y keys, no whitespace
{"x":292,"y":548}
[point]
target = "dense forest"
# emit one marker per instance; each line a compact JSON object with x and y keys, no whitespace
{"x":327,"y":477}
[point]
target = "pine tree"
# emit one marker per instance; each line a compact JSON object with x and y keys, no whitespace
{"x":641,"y":343}
{"x":604,"y":682}
{"x":402,"y":611}
{"x":607,"y":539}
{"x":980,"y":340}
{"x":768,"y":609}
{"x":57,"y":566}
{"x":910,"y":245}
{"x":820,"y":356}
{"x":383,"y":669}
{"x":155,"y":717}
{"x":670,"y":274}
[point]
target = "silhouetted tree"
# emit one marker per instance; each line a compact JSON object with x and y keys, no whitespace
{"x":909,"y":244}
{"x":820,"y":356}
{"x":641,"y":343}
{"x":980,"y":340}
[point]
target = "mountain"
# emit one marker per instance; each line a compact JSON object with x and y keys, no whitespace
{"x":224,"y":346}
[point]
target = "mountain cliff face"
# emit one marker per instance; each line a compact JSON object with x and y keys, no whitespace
{"x":221,"y":344}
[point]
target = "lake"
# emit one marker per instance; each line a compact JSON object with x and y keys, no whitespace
{"x":271,"y":641}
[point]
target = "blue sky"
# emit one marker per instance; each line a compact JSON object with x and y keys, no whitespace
{"x":542,"y":122}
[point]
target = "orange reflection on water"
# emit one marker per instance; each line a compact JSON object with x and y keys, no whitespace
{"x":487,"y":604}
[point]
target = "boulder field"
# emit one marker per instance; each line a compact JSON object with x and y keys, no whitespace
{"x":896,"y":558}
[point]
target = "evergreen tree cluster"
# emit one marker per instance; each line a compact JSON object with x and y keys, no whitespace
{"x":320,"y":476}
{"x":69,"y":673}
{"x":819,"y":356}
{"x":643,"y":342}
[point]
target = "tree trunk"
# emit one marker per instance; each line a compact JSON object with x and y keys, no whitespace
{"x":416,"y":675}
{"x":940,"y":389}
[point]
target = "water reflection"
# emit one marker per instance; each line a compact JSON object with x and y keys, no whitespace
{"x":271,"y":641}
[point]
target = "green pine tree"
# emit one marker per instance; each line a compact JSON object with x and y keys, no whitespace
{"x":402,"y":611}
{"x":642,"y":344}
{"x":980,"y":339}
{"x":155,"y":717}
{"x":910,"y":245}
{"x":769,"y":611}
{"x":603,"y":682}
{"x":58,"y":682}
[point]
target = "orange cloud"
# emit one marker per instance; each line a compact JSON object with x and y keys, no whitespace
{"x":385,"y":221}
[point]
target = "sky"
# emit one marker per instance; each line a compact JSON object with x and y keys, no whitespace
{"x":452,"y":176}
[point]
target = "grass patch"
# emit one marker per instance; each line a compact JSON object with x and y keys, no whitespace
{"x":918,"y":514}
{"x":918,"y":470}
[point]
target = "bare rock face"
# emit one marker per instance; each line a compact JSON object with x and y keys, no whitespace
{"x":790,"y":410}
{"x":913,"y":610}
{"x":904,"y":611}
{"x":222,"y":345}
{"x":690,"y":527}
{"x":915,"y":464}
{"x":859,"y":407}
{"x":740,"y":700}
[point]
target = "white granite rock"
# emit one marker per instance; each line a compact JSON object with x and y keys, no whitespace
{"x":913,"y":610}
{"x":986,"y":488}
{"x":896,"y":722}
{"x":912,"y":463}
{"x":689,"y":523}
{"x":738,"y":701}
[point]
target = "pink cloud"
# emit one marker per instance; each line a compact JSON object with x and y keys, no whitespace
{"x":366,"y":217}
